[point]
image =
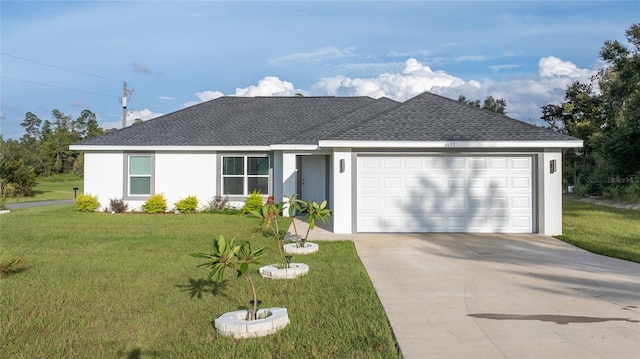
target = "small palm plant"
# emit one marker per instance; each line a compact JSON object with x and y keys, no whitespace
{"x":269,"y":215}
{"x":234,"y":256}
{"x":314,"y":212}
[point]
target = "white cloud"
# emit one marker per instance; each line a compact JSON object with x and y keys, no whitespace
{"x":145,"y":115}
{"x":166,"y":98}
{"x":473,"y":58}
{"x":312,"y":56}
{"x":525,"y":96}
{"x":496,"y":68}
{"x":268,"y":86}
{"x":203,"y":97}
{"x":415,"y":78}
{"x":132,"y":115}
{"x":208,"y":95}
{"x":551,"y":66}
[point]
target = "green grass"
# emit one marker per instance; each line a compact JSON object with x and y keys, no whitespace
{"x":52,"y":188}
{"x":601,"y":229}
{"x":99,"y":285}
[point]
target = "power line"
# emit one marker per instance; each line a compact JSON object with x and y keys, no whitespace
{"x":60,"y":68}
{"x":58,"y":87}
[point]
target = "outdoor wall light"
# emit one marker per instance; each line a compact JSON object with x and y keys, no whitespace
{"x":552,"y":166}
{"x":288,"y":258}
{"x":342,"y":165}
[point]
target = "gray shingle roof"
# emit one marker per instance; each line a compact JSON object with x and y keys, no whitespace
{"x":263,"y":121}
{"x":234,"y":121}
{"x":430,"y":117}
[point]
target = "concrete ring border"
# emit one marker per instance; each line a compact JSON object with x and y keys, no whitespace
{"x":236,"y":324}
{"x":295,"y":270}
{"x":292,"y":248}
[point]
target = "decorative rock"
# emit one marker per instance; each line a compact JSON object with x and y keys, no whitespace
{"x":292,"y":248}
{"x":236,"y":323}
{"x":295,"y":270}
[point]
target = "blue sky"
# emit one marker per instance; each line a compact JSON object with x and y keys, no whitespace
{"x":179,"y":53}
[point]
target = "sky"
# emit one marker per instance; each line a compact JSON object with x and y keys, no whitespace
{"x":76,"y":55}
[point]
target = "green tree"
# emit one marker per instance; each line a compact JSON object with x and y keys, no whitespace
{"x":17,"y":177}
{"x":619,"y":153}
{"x":490,"y":103}
{"x":31,"y":126}
{"x":579,"y":116}
{"x":497,"y":105}
{"x":608,"y":121}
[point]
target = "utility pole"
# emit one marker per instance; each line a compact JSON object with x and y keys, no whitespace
{"x":124,"y":104}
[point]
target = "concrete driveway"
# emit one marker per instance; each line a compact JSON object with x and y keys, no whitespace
{"x":503,"y":296}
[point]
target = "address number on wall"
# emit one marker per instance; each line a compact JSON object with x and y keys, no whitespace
{"x":449,"y":144}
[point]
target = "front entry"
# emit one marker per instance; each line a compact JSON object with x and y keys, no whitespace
{"x":313,"y":178}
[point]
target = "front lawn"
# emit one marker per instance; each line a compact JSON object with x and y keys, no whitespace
{"x":600,"y":229}
{"x":52,"y":188}
{"x":124,"y":285}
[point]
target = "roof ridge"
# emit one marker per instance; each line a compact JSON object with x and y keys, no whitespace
{"x":320,"y":124}
{"x":370,"y":118}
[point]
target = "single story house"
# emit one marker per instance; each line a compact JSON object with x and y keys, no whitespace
{"x":429,"y":164}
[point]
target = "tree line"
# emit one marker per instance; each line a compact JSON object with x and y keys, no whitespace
{"x":43,"y":150}
{"x":605,"y":114}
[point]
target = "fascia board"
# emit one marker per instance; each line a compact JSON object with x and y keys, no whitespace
{"x":167,"y":148}
{"x":292,"y":147}
{"x":451,"y":144}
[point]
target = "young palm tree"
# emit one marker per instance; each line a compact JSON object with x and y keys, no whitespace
{"x":234,"y":256}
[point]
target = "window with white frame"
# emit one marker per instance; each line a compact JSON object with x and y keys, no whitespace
{"x":241,"y":175}
{"x":139,"y":181}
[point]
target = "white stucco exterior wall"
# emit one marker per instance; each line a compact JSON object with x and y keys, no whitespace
{"x":179,"y":175}
{"x":550,"y":193}
{"x":341,"y":196}
{"x":104,"y":176}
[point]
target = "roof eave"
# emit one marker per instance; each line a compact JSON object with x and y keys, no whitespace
{"x":452,"y":144}
{"x":290,"y":147}
{"x":166,"y":148}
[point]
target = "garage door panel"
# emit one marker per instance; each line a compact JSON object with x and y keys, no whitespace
{"x":392,"y":163}
{"x":522,"y":222}
{"x":520,"y":183}
{"x":435,"y":163}
{"x":370,"y":163}
{"x":455,"y":182}
{"x":498,"y":163}
{"x":444,"y":194}
{"x":455,"y":163}
{"x":455,"y":203}
{"x":499,"y":183}
{"x":476,"y":203}
{"x":521,"y":164}
{"x":413,"y":163}
{"x":370,"y":183}
{"x":522,"y":203}
{"x":432,"y":204}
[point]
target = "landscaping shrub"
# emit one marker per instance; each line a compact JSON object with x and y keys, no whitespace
{"x":118,"y":206}
{"x":87,"y":203}
{"x":254,"y":202}
{"x":187,"y":205}
{"x":10,"y":264}
{"x":219,"y":204}
{"x":156,"y":204}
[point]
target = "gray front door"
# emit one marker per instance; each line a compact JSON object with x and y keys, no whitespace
{"x":313,"y":178}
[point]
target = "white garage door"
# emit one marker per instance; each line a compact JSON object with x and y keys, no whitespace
{"x":445,"y":194}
